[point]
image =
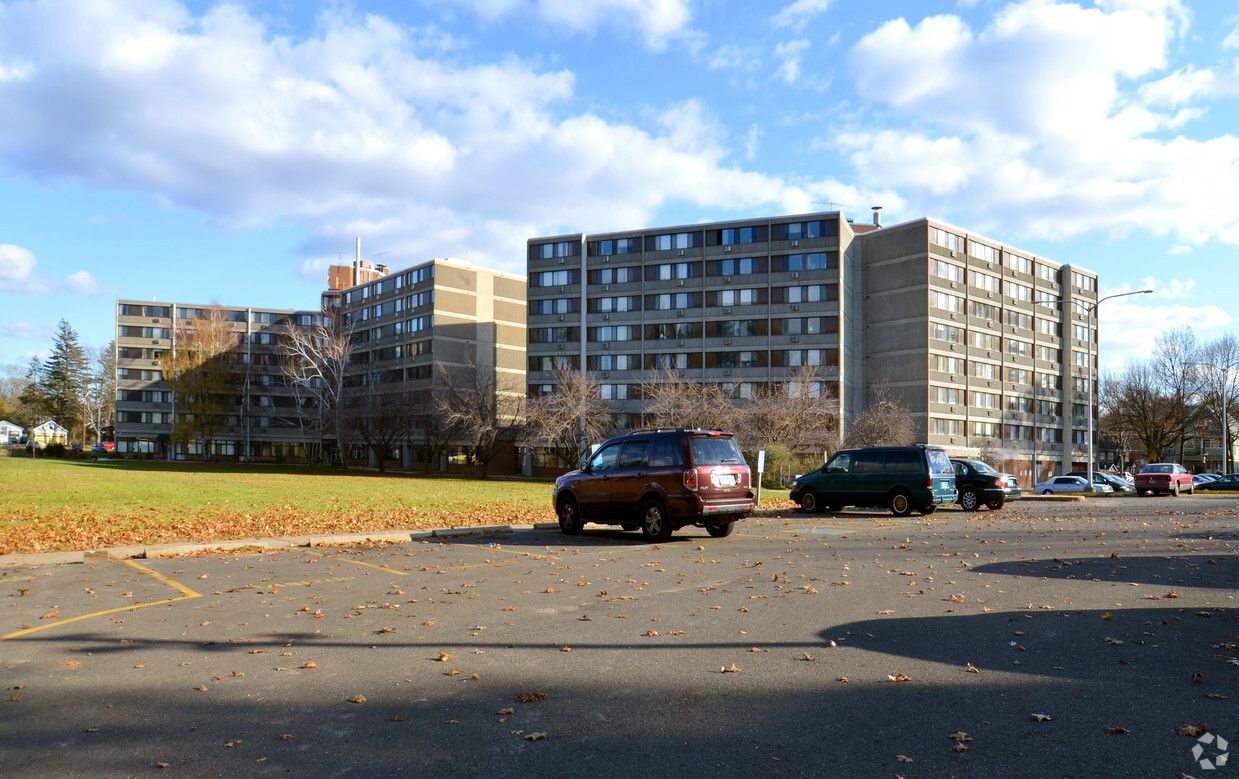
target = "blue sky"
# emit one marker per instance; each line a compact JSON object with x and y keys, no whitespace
{"x":205,"y":152}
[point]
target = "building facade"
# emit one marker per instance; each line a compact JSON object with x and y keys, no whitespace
{"x":986,"y":344}
{"x":407,"y":330}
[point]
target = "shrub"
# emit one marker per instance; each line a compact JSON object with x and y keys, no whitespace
{"x":55,"y":450}
{"x":782,"y":465}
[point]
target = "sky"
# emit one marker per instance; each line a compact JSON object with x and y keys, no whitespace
{"x":205,"y":152}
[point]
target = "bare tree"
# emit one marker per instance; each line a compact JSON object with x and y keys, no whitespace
{"x":486,"y":405}
{"x":672,"y":400}
{"x":886,"y":421}
{"x":315,"y":361}
{"x":380,"y":414}
{"x":430,"y":424}
{"x":1175,"y":365}
{"x":800,"y":413}
{"x":1219,"y":392}
{"x":99,"y":400}
{"x":198,"y":371}
{"x":572,"y":415}
{"x":1138,"y":406}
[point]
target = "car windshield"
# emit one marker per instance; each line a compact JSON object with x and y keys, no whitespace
{"x":981,"y":467}
{"x":716,"y":450}
{"x":939,"y":462}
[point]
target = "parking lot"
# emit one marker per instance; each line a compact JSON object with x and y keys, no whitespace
{"x":1045,"y":639}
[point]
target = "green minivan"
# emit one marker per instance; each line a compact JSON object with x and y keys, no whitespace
{"x":903,"y":478}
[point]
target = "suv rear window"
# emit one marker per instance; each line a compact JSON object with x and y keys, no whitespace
{"x":939,"y":462}
{"x":716,"y":450}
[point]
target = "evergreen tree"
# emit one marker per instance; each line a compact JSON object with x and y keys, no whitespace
{"x":64,"y":377}
{"x":35,"y":405}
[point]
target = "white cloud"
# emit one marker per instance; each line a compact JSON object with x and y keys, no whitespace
{"x":81,"y":283}
{"x":26,"y":331}
{"x":1039,"y":121}
{"x":354,"y":130}
{"x":799,"y":13}
{"x":1232,"y":40}
{"x":17,"y":274}
{"x":751,"y":141}
{"x":790,"y":54}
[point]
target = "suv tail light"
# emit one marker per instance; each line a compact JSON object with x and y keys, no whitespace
{"x":690,"y":479}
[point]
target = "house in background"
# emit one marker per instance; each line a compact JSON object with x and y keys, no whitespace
{"x":9,"y":432}
{"x":50,"y":432}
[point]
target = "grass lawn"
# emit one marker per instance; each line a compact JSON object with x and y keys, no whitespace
{"x":55,"y":505}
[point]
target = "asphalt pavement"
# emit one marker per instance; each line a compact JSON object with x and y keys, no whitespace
{"x":1048,"y":639}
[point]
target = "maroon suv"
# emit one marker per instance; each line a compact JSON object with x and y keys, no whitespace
{"x":1170,"y":478}
{"x":658,"y":481}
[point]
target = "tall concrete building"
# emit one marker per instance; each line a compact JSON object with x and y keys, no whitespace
{"x":404,"y":327}
{"x":987,"y":345}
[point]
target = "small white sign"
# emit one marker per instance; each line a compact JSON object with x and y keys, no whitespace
{"x":761,"y":460}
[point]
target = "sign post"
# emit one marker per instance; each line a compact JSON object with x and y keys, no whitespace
{"x":761,"y":468}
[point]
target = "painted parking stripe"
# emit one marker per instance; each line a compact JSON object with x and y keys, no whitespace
{"x":187,"y":594}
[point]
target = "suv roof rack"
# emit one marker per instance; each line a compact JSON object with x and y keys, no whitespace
{"x":675,"y":430}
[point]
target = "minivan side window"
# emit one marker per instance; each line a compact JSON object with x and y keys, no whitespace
{"x":840,"y":463}
{"x":867,"y":462}
{"x":903,"y":462}
{"x":668,"y":452}
{"x":633,"y":454}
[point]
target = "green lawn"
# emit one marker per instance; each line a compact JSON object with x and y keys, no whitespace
{"x":49,"y":505}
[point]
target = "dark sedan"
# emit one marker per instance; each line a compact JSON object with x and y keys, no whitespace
{"x":1224,"y":483}
{"x":980,"y":485}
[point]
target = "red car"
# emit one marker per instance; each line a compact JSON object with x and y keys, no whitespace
{"x":1170,"y":478}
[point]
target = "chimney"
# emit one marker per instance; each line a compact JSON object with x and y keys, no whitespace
{"x":877,"y":216}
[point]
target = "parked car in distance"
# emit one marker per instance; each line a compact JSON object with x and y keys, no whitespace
{"x":1170,"y":478}
{"x":658,"y":481}
{"x":903,"y":478}
{"x":1203,"y":478}
{"x":1058,"y":485}
{"x":1115,"y":482}
{"x":979,"y":484}
{"x":1222,"y":483}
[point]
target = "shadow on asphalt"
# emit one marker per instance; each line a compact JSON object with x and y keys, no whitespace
{"x":1219,"y":571}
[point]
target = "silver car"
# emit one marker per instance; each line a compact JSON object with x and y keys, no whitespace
{"x":1057,"y":485}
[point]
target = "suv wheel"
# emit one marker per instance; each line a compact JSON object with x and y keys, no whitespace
{"x":970,"y":500}
{"x":901,"y":504}
{"x":570,"y":517}
{"x":655,"y":524}
{"x":808,"y":501}
{"x":720,"y":530}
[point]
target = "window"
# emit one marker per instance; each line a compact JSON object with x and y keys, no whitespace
{"x":736,"y":266}
{"x":738,"y":235}
{"x":615,"y":246}
{"x":1079,"y":410}
{"x":946,"y":333}
{"x":794,"y":358}
{"x":555,"y":306}
{"x":1050,"y":408}
{"x":1019,"y":291}
{"x":1019,"y":319}
{"x":799,"y":262}
{"x":673,"y":330}
{"x":613,"y":391}
{"x":613,"y":305}
{"x":548,"y":251}
{"x":985,"y":370}
{"x":608,"y":333}
{"x":810,"y":293}
{"x":1017,"y":375}
{"x":946,"y":302}
{"x":946,"y":427}
{"x":1049,"y":353}
{"x":614,"y":275}
{"x":983,"y":252}
{"x":1049,"y":327}
{"x":262,"y":317}
{"x":1049,"y":381}
{"x":1080,"y":358}
{"x":1079,"y":437}
{"x":555,"y":278}
{"x":1050,"y":435}
{"x":797,"y":230}
{"x":669,"y":362}
{"x":1019,"y":433}
{"x":985,"y":281}
{"x":944,"y":364}
{"x":943,"y":238}
{"x":1083,"y":282}
{"x":982,"y":340}
{"x":613,"y":362}
{"x":948,"y":270}
{"x":736,"y":328}
{"x":674,"y":270}
{"x":674,"y":300}
{"x":674,"y":241}
{"x":1047,"y":272}
{"x":985,"y":429}
{"x":809,"y":324}
{"x":1080,"y":332}
{"x":1080,"y":384}
{"x":946,"y":395}
{"x":1047,"y":299}
{"x":737,"y":297}
{"x":984,"y":400}
{"x":1017,"y":263}
{"x":984,"y":311}
{"x":427,"y":297}
{"x":1018,"y":348}
{"x":1019,"y":403}
{"x":552,"y":335}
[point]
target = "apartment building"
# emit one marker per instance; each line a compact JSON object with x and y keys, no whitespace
{"x":988,"y":345}
{"x":404,"y":327}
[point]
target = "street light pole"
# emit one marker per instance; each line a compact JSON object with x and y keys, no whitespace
{"x":1093,"y":321}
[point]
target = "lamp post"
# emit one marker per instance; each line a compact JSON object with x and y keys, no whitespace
{"x":1092,"y":325}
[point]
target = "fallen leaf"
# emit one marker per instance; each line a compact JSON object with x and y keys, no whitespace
{"x":972,"y":669}
{"x":1040,"y":718}
{"x":1191,"y":730}
{"x":286,"y":737}
{"x":903,"y":759}
{"x":357,"y":699}
{"x":311,"y":664}
{"x":1217,"y":696}
{"x":899,"y":677}
{"x":959,"y":748}
{"x":809,"y":657}
{"x":1115,"y":731}
{"x":530,"y":697}
{"x":535,"y":737}
{"x":232,"y":743}
{"x":732,"y":670}
{"x":444,"y":657}
{"x":960,"y":736}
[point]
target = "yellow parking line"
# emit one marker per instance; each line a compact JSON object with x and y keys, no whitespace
{"x":187,"y":595}
{"x":359,"y":562}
